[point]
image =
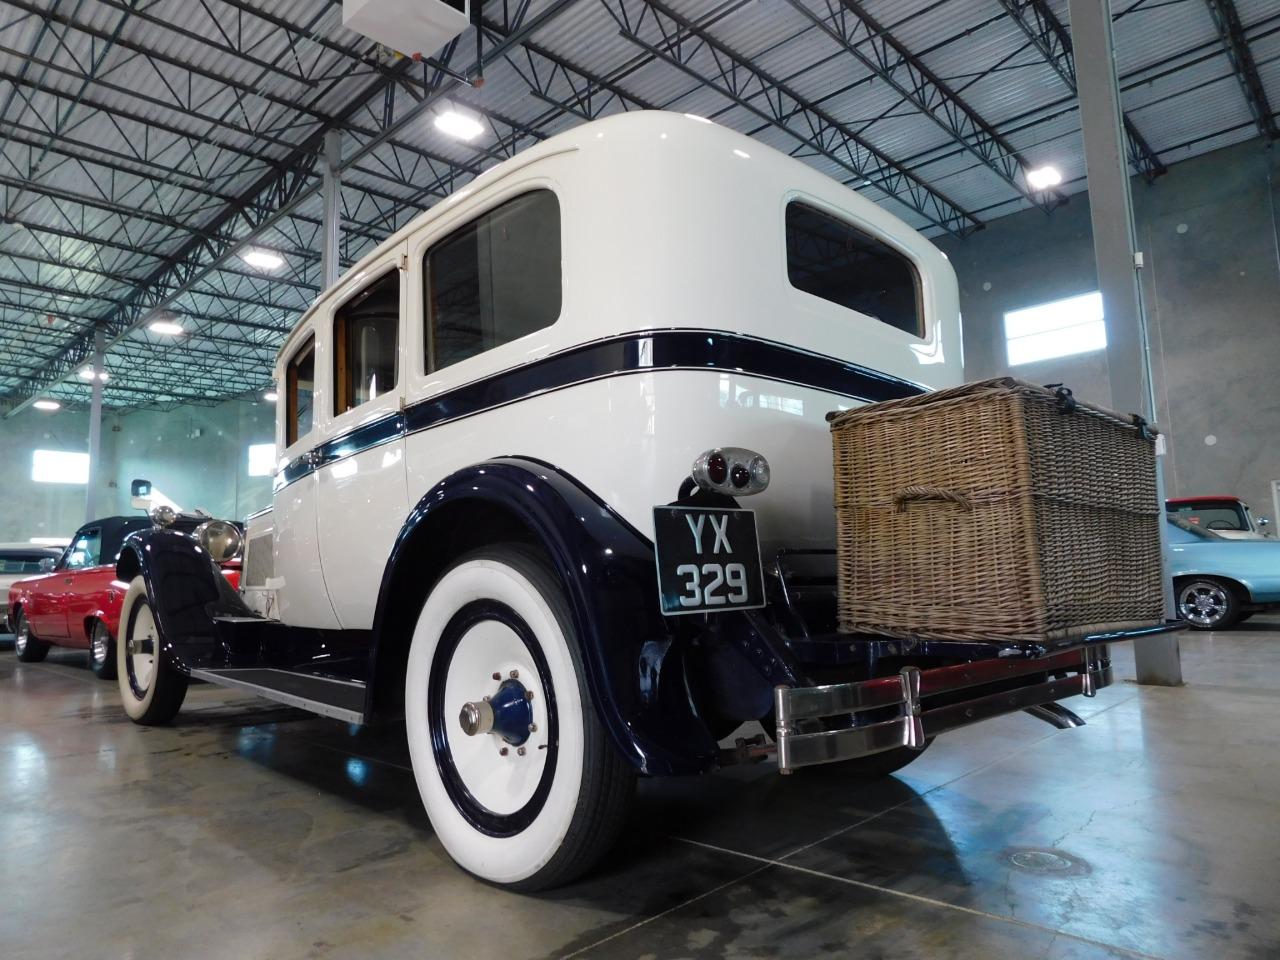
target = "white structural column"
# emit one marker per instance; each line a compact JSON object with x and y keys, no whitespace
{"x":1115,"y":251}
{"x":331,"y":193}
{"x":95,"y":429}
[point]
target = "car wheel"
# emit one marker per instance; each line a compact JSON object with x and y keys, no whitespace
{"x":516,"y":772}
{"x":152,"y":691}
{"x":102,"y":652}
{"x":25,"y":644}
{"x":1208,"y":603}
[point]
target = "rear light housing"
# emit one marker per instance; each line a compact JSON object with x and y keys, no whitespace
{"x":733,"y":471}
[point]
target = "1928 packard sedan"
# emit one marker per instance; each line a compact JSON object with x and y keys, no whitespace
{"x":514,"y":441}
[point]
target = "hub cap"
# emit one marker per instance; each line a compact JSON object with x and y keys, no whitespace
{"x":20,"y":638}
{"x":141,"y":659}
{"x":1202,"y":603}
{"x":98,"y":646}
{"x":493,"y":718}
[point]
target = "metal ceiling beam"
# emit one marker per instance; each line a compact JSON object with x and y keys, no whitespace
{"x":682,"y":44}
{"x":859,"y":34}
{"x":268,"y":200}
{"x":1227,"y":21}
{"x":1048,"y":34}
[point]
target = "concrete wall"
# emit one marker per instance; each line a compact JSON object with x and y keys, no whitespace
{"x":196,"y":456}
{"x":1211,"y":284}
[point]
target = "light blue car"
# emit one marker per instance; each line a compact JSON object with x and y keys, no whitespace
{"x":1219,"y":582}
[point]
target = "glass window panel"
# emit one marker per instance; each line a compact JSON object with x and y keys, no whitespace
{"x":366,"y":333}
{"x":300,"y":387}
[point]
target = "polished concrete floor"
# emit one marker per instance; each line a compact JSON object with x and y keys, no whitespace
{"x":246,"y":830}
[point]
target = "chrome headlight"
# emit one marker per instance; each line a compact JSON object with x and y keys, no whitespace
{"x":731,"y":470}
{"x":220,"y":539}
{"x":163,"y":515}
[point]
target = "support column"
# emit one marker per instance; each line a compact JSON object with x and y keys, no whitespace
{"x":1115,"y":251}
{"x":95,"y":428}
{"x":331,"y":193}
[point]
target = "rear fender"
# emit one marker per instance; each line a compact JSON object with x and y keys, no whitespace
{"x":636,"y":673}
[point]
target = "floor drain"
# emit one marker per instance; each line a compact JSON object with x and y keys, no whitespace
{"x":1054,"y":863}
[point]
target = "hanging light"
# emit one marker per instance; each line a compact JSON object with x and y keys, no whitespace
{"x":86,"y":373}
{"x":47,"y":405}
{"x":262,"y":259}
{"x":167,"y":327}
{"x":271,"y":396}
{"x":458,"y":125}
{"x":1042,"y":178}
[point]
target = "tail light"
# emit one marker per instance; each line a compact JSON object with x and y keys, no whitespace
{"x":734,"y":471}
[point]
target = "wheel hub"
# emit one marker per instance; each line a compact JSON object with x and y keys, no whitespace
{"x":508,"y":713}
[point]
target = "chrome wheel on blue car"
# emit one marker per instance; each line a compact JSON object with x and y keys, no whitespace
{"x":1207,"y":603}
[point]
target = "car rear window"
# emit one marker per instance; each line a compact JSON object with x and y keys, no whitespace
{"x":15,"y":561}
{"x":834,"y":260}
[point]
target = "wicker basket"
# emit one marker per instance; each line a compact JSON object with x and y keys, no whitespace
{"x":997,"y":511}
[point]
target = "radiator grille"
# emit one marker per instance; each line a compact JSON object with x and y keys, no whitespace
{"x":259,"y":562}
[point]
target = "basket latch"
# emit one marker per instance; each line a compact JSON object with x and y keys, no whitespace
{"x":1066,"y":401}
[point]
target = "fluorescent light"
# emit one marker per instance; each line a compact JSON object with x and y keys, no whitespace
{"x":458,"y":125}
{"x":46,"y":405}
{"x":1042,"y":178}
{"x":86,"y":373}
{"x":263,"y":259}
{"x":271,"y":396}
{"x":167,"y":327}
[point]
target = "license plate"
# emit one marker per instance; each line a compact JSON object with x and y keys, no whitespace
{"x":708,"y":560}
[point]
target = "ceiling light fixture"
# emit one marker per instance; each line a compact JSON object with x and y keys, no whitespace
{"x":271,"y":396}
{"x":167,"y":327}
{"x":262,"y":259}
{"x":86,"y":373}
{"x":47,"y":405}
{"x":1042,"y":178}
{"x":458,"y":125}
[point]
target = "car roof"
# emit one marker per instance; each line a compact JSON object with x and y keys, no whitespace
{"x":20,"y":547}
{"x":1208,"y":498}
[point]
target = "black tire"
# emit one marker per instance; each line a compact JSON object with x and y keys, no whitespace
{"x":25,"y":644}
{"x":1245,"y":616}
{"x":1208,"y":603}
{"x":540,"y":843}
{"x":151,"y":690}
{"x":102,"y":652}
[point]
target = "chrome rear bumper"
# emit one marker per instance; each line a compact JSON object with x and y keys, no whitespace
{"x":799,"y":710}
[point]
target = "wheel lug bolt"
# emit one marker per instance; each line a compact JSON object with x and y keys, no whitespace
{"x":520,"y":750}
{"x":533,"y":728}
{"x":515,"y":674}
{"x":497,"y":675}
{"x":503,"y":752}
{"x":528,"y":694}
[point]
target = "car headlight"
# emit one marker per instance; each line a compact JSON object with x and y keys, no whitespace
{"x":220,"y":539}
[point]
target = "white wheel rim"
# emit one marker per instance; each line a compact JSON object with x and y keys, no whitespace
{"x":501,"y":776}
{"x":142,"y":647}
{"x":1202,"y":603}
{"x":20,"y":638}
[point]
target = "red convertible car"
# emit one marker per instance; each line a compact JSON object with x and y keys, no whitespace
{"x":77,"y":603}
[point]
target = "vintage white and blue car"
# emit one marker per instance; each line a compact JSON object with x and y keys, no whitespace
{"x":514,"y":444}
{"x":1219,"y":581}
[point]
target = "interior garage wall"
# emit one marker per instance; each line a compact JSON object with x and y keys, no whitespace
{"x":1208,"y":231}
{"x":196,"y":456}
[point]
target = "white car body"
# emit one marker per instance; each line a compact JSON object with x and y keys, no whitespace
{"x":667,"y":223}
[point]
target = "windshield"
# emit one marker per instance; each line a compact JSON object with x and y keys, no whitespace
{"x":1198,"y":531}
{"x":1214,"y":514}
{"x":17,"y":561}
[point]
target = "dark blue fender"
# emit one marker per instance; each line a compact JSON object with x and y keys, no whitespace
{"x":636,"y":671}
{"x":185,"y":589}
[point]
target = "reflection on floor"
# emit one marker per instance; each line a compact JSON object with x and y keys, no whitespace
{"x":248,"y":830}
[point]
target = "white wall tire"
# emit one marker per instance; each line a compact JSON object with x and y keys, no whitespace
{"x":150,"y":690}
{"x":548,"y":808}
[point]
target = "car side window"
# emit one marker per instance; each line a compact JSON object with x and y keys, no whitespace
{"x":365,"y":340}
{"x":84,"y":550}
{"x":493,"y":280}
{"x":300,"y":386}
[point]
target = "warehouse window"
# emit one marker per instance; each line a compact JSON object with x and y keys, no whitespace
{"x":494,"y":280}
{"x":365,"y":336}
{"x":300,"y":388}
{"x":262,"y":459}
{"x":831,"y":259}
{"x":1061,"y":328}
{"x":59,"y":466}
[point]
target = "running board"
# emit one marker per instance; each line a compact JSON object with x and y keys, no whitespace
{"x":339,"y":699}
